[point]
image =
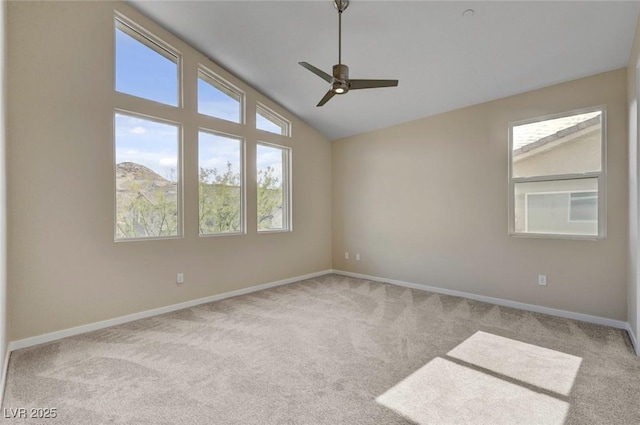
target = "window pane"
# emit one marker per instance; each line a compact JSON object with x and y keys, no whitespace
{"x":583,"y":206}
{"x":270,"y":121}
{"x":272,"y":167}
{"x":145,"y":69}
{"x":220,"y":203}
{"x":217,"y":99}
{"x":567,"y":145}
{"x":564,"y":207}
{"x":147,"y":176}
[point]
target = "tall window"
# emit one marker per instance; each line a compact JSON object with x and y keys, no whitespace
{"x":151,"y":121}
{"x":218,"y":98}
{"x":147,"y":149}
{"x":557,"y":175}
{"x":147,"y":160}
{"x":220,"y":159}
{"x":274,"y":187}
{"x":268,"y":120}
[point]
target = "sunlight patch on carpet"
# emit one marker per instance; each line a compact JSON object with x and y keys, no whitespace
{"x":538,"y":366}
{"x":443,"y":392}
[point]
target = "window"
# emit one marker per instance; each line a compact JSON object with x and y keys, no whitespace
{"x":147,"y":170}
{"x":144,"y":67}
{"x":152,"y":126}
{"x":557,"y":175}
{"x":221,"y":194}
{"x":268,"y":120}
{"x":147,"y":149}
{"x":219,"y":99}
{"x":274,"y":188}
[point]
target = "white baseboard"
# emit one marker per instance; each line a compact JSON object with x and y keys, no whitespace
{"x":53,"y":336}
{"x":634,"y":340}
{"x":497,"y":301}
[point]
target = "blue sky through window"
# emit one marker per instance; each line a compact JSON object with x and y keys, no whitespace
{"x":263,"y":123}
{"x":215,"y":103}
{"x":143,"y":72}
{"x":215,"y":152}
{"x":148,"y":143}
{"x":269,"y":156}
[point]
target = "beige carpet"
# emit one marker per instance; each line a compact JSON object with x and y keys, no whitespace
{"x":334,"y":350}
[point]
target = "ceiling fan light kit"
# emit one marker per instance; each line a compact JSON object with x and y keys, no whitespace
{"x":340,"y":82}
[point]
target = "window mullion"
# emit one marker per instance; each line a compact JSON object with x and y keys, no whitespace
{"x":579,"y":176}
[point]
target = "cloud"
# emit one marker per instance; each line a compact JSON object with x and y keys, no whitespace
{"x":168,"y":161}
{"x":138,"y":130}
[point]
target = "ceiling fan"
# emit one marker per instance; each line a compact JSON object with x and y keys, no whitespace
{"x":340,"y":82}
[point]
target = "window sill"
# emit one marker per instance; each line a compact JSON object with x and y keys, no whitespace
{"x":558,"y":236}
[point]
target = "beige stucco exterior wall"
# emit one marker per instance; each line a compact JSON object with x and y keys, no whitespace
{"x":64,"y":268}
{"x":633,"y":295}
{"x":559,"y":221}
{"x":426,"y":202}
{"x":582,"y":154}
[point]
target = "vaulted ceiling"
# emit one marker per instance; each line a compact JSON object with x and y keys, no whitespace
{"x":444,"y":58}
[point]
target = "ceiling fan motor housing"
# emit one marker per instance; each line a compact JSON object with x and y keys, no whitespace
{"x":340,"y":79}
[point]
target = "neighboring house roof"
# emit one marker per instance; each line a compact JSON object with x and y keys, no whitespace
{"x":560,"y":131}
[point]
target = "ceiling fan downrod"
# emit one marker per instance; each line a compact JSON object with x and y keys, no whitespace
{"x":340,"y":71}
{"x":341,"y":5}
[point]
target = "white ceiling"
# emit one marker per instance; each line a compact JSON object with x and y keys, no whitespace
{"x":444,"y":60}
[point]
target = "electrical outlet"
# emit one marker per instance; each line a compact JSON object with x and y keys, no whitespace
{"x":180,"y":278}
{"x":542,"y":279}
{"x":357,"y":257}
{"x":346,"y":255}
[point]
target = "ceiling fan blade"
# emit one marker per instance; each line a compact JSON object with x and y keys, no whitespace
{"x":326,"y":98}
{"x":371,"y":84}
{"x":320,"y":73}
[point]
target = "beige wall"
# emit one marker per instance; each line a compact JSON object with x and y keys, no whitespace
{"x":633,"y":295}
{"x":3,"y":193}
{"x":64,"y":268}
{"x":426,"y":202}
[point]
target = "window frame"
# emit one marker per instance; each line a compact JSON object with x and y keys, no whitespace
{"x":267,"y":113}
{"x":179,"y":174}
{"x":287,"y":188}
{"x":243,"y":182}
{"x":600,"y":176}
{"x":227,"y":87}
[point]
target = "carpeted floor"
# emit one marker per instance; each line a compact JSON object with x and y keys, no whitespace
{"x":333,"y":350}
